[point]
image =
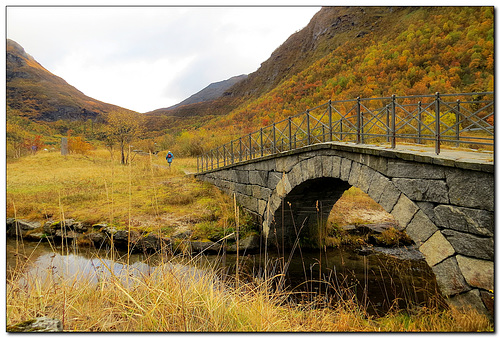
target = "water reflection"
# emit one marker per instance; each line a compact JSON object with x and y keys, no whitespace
{"x":379,"y":281}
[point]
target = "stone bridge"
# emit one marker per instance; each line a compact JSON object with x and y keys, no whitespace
{"x":444,"y":203}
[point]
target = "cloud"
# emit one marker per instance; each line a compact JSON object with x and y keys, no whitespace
{"x":145,"y":58}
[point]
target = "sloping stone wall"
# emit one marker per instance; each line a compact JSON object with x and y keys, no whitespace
{"x":445,"y":206}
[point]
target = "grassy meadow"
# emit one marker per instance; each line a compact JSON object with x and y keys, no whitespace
{"x":147,"y":195}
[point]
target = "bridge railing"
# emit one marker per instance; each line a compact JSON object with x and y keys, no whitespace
{"x":461,"y":120}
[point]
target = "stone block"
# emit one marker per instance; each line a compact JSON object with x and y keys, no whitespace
{"x":377,"y":163}
{"x":365,"y":177}
{"x":258,"y":177}
{"x":345,"y":169}
{"x":244,"y":189}
{"x":354,"y":174}
{"x":242,"y":177}
{"x":273,"y":179}
{"x":469,"y":300}
{"x":262,"y":207}
{"x":314,"y":167}
{"x":267,"y":165}
{"x":436,"y":249}
{"x":389,"y":197}
{"x":404,"y":210}
{"x":286,"y":163}
{"x":471,"y":245}
{"x":404,"y":169}
{"x":471,"y":189}
{"x":420,"y":228}
{"x":428,"y":209}
{"x":248,"y":202}
{"x":283,"y":187}
{"x":260,"y":193}
{"x":449,"y":277}
{"x":474,"y":221}
{"x":477,"y":272}
{"x":377,"y":186}
{"x":422,"y":189}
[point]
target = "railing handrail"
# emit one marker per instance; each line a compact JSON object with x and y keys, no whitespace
{"x":429,"y":121}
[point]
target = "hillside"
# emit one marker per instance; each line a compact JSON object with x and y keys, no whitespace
{"x":345,"y":52}
{"x":211,"y":92}
{"x":35,"y":93}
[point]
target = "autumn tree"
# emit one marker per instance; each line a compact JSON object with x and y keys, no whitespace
{"x":122,"y":129}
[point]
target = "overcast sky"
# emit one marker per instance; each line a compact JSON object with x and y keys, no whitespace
{"x":145,"y":58}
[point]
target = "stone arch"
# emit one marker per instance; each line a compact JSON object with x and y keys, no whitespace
{"x":455,"y":273}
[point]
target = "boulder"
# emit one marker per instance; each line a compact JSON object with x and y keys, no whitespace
{"x":20,"y":227}
{"x":152,"y":242}
{"x":207,"y":247}
{"x":40,"y":324}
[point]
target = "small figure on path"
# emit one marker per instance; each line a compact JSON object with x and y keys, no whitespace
{"x":169,"y":158}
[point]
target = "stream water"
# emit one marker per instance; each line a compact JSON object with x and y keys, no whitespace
{"x":379,"y":281}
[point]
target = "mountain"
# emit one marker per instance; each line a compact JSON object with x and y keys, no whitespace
{"x":211,"y":92}
{"x":345,"y":52}
{"x":37,"y":94}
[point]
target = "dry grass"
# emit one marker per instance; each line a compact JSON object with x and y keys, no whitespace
{"x":95,"y":189}
{"x":356,"y":207}
{"x":177,"y":300}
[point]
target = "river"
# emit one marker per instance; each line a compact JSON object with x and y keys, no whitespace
{"x":379,"y":281}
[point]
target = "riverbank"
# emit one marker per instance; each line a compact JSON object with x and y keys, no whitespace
{"x":168,"y":297}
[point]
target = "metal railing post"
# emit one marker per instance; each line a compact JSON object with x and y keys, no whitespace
{"x":274,"y":138}
{"x":419,"y":125}
{"x":232,"y":152}
{"x":224,"y":153}
{"x":212,"y":158}
{"x":308,"y":128}
{"x":458,"y":119}
{"x":438,"y":125}
{"x":197,"y":164}
{"x":358,"y":120}
{"x":250,"y":145}
{"x":388,"y":123}
{"x":393,"y":121}
{"x":241,"y":151}
{"x":261,"y":144}
{"x":330,"y":120}
{"x":290,"y":132}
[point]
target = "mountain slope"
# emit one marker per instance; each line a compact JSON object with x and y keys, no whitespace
{"x":345,"y":52}
{"x":211,"y":92}
{"x":35,"y":93}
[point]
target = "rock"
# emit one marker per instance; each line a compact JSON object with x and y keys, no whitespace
{"x":98,"y":239}
{"x":152,"y":242}
{"x":99,"y":226}
{"x":67,"y":235}
{"x":205,"y":247}
{"x":20,"y":227}
{"x":183,"y":234}
{"x":477,"y":273}
{"x":471,"y":245}
{"x":475,"y":221}
{"x":40,"y":324}
{"x":449,"y":277}
{"x":35,"y":236}
{"x":436,"y":249}
{"x":364,"y":251}
{"x":249,"y":243}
